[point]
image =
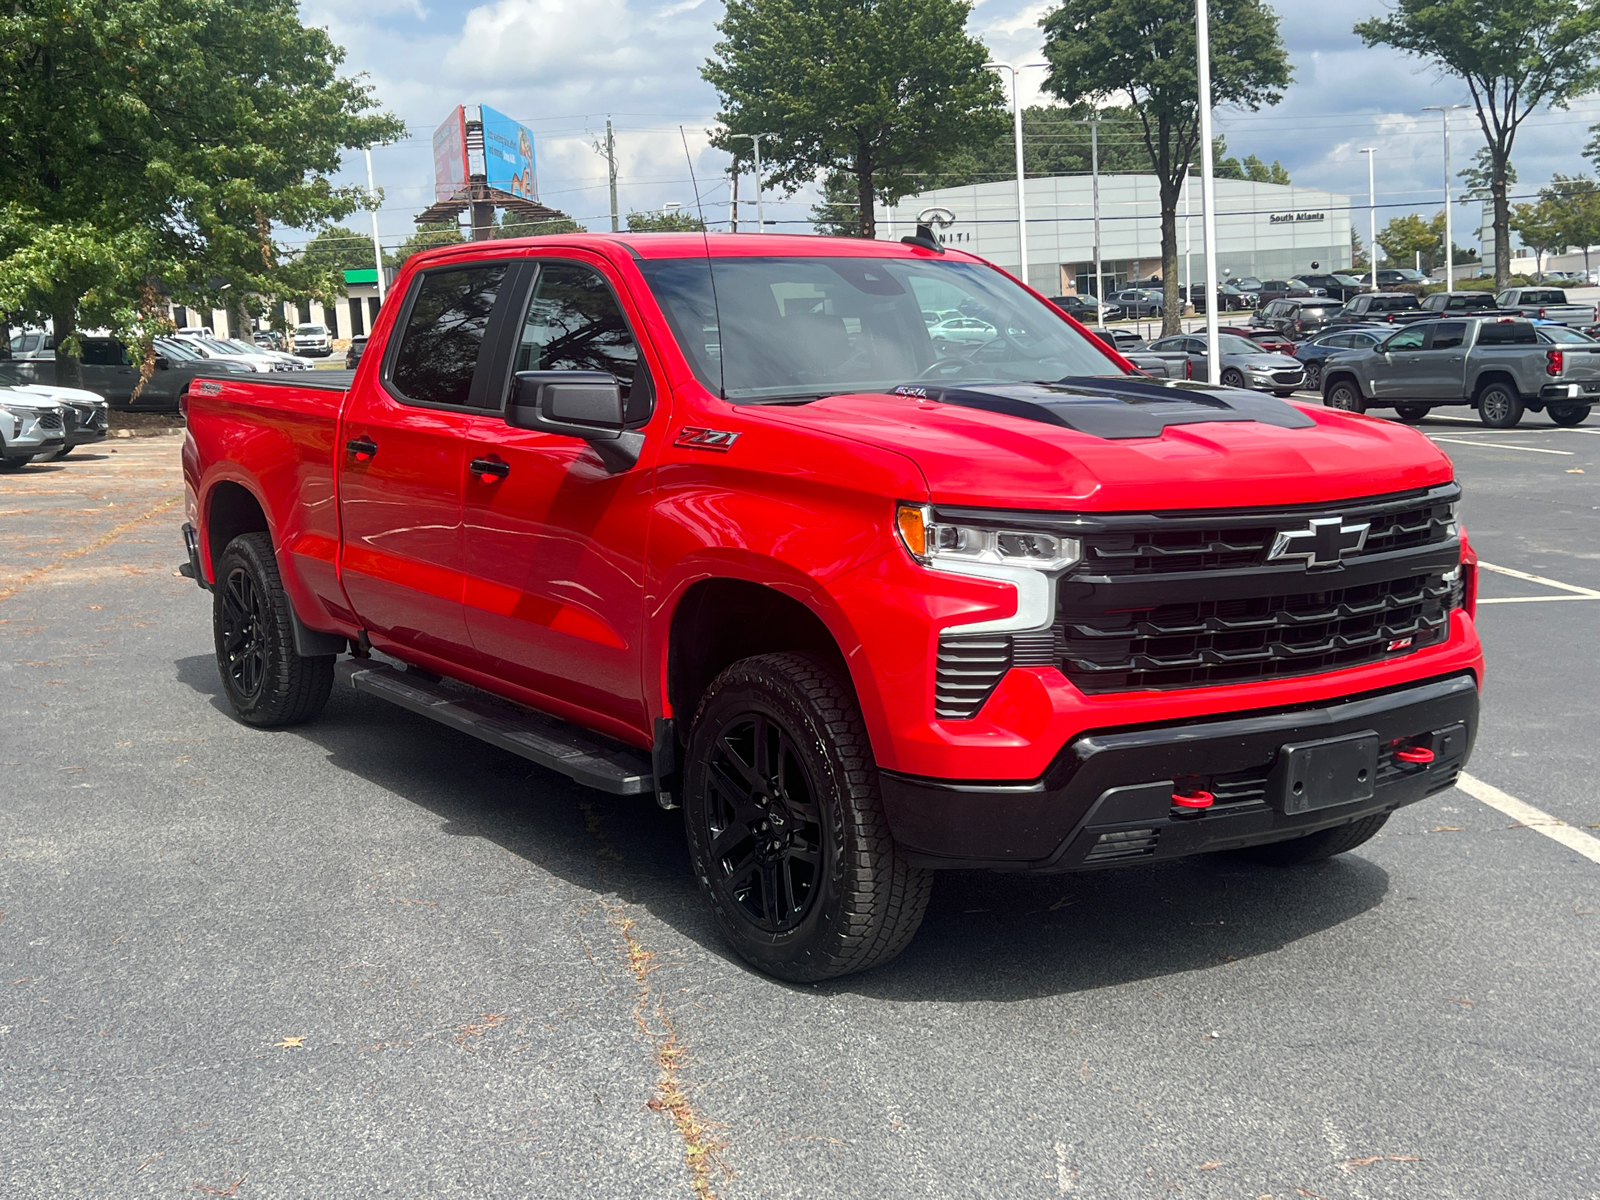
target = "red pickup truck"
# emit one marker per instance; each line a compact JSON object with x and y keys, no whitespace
{"x":724,"y":521}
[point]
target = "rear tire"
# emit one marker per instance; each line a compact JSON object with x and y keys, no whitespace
{"x":1346,"y":397}
{"x":1569,"y":414}
{"x":1316,"y":847}
{"x":1412,"y":414}
{"x":786,"y":828}
{"x":1499,"y":406}
{"x":266,"y":682}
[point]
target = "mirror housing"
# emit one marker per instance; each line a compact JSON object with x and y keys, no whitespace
{"x":580,"y":404}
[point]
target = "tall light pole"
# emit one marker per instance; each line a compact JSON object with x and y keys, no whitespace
{"x":1094,"y":175}
{"x":1444,"y":111}
{"x":377,"y":247}
{"x":761,"y":219}
{"x":1208,"y":190}
{"x":1022,"y":193}
{"x":1372,"y":217}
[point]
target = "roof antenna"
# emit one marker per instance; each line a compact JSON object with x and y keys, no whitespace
{"x":716,"y":309}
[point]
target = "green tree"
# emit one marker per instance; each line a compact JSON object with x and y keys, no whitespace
{"x":334,"y":251}
{"x":148,"y":146}
{"x":1574,"y":203}
{"x":879,"y":90}
{"x":1405,"y":237}
{"x":836,"y":215}
{"x":1358,"y":254}
{"x":427,"y":237}
{"x":1252,"y":168}
{"x":509,"y":225}
{"x":1055,"y":141}
{"x":1514,"y":56}
{"x":1144,"y":50}
{"x":666,"y":221}
{"x":1540,"y":227}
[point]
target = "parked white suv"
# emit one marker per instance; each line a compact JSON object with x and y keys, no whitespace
{"x":28,"y":427}
{"x":313,"y":340}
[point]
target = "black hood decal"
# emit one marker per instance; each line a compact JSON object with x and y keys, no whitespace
{"x":1116,"y":407}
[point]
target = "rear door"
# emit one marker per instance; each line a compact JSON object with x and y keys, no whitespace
{"x":403,"y":459}
{"x":555,"y":542}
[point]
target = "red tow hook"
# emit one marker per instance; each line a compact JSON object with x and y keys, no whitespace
{"x":1194,"y":799}
{"x":1419,"y":755}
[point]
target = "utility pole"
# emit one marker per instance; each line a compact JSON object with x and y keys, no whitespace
{"x":1094,"y":171}
{"x":1372,"y":217}
{"x":611,"y":172}
{"x":1188,"y":243}
{"x":733,"y":220}
{"x":1444,"y":111}
{"x":761,"y":217}
{"x":1208,"y":190}
{"x":377,"y":246}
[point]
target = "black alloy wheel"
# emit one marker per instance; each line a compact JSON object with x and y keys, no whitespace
{"x":786,"y":827}
{"x":1499,"y":406}
{"x":1569,"y":414}
{"x":242,"y":636}
{"x":267,"y":682}
{"x":765,"y":826}
{"x":1412,"y":414}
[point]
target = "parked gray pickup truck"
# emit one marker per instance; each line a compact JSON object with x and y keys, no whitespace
{"x":1547,"y":304}
{"x":1497,"y":365}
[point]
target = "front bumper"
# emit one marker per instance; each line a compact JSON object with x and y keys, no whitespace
{"x":1120,"y":782}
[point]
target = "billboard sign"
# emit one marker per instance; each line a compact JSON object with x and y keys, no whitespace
{"x":507,"y":155}
{"x":450,"y":155}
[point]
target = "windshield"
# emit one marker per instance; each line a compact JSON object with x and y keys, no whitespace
{"x":311,"y":329}
{"x":173,"y":348}
{"x":807,"y":327}
{"x":1227,"y":343}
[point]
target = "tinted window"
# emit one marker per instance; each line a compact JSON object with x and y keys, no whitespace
{"x":103,"y":352}
{"x":573,"y":323}
{"x":1406,"y":339}
{"x":444,"y":331}
{"x":1507,"y":333}
{"x":1447,"y":335}
{"x":1340,"y":340}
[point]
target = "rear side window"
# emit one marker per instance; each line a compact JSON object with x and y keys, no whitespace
{"x":1447,"y":335}
{"x":444,"y":329}
{"x":1507,"y":333}
{"x":103,"y":352}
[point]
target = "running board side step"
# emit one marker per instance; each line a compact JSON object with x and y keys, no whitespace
{"x":587,"y":758}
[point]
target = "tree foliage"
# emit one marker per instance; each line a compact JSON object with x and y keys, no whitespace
{"x":666,"y":221}
{"x":879,"y":90}
{"x":1514,"y":56}
{"x":1406,"y":236}
{"x":427,"y":237}
{"x":1055,"y":141}
{"x":1144,"y":51}
{"x":1251,"y":168}
{"x":1540,"y":227}
{"x":151,"y":146}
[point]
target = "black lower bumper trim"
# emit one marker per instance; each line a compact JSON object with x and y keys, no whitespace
{"x":1107,"y":798}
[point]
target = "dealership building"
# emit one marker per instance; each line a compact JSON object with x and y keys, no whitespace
{"x":1267,"y":230}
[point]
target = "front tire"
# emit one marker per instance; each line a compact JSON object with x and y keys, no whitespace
{"x":1569,"y":414}
{"x":266,"y":682}
{"x":1499,"y":406}
{"x":786,"y":828}
{"x":1316,"y":847}
{"x":1412,"y":414}
{"x":1232,"y":378}
{"x":1313,"y":377}
{"x":1346,"y":397}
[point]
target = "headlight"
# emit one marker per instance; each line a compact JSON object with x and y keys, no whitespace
{"x":936,"y":544}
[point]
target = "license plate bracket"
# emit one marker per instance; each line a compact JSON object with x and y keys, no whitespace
{"x":1326,"y":773}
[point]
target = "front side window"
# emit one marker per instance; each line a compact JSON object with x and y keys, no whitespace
{"x":438,"y":351}
{"x":574,"y":323}
{"x":1406,"y":339}
{"x":781,"y":328}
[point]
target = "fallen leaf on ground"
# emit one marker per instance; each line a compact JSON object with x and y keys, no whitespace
{"x":1445,"y":829}
{"x":1453,"y":1000}
{"x":290,"y":1043}
{"x":1208,"y":1166}
{"x":1350,"y":1164}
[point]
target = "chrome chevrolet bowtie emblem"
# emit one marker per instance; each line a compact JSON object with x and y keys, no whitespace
{"x":1323,"y":543}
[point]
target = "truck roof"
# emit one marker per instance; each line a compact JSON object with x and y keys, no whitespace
{"x":700,"y":245}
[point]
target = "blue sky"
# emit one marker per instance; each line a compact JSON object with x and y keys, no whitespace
{"x":561,"y":66}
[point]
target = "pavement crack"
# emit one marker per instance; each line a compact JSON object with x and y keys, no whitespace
{"x":105,"y":539}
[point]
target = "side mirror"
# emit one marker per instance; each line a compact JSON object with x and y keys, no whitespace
{"x":580,"y":404}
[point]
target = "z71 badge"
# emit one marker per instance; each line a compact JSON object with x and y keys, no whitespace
{"x":207,"y":387}
{"x":705,"y":439}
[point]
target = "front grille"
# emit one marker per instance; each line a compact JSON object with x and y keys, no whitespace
{"x":1212,"y":642}
{"x":50,"y":420}
{"x":1287,"y":376}
{"x":1162,"y":545}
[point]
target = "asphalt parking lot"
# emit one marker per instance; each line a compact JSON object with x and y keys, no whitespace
{"x":371,"y":957}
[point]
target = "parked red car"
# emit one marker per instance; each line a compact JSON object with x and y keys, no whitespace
{"x":714,"y":520}
{"x":1267,"y":339}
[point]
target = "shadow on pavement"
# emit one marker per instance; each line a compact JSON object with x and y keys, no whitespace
{"x":987,"y":936}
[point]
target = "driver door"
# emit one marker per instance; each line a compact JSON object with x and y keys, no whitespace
{"x":1404,"y":370}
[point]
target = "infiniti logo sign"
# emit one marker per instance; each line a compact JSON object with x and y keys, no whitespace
{"x":1323,"y":543}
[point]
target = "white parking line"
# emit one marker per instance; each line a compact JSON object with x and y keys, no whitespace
{"x":1586,"y":593}
{"x":1455,"y":441}
{"x":1526,"y":814}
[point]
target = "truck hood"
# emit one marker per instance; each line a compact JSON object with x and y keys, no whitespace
{"x":1119,"y":445}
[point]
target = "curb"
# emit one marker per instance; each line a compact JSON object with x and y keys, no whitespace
{"x":135,"y":433}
